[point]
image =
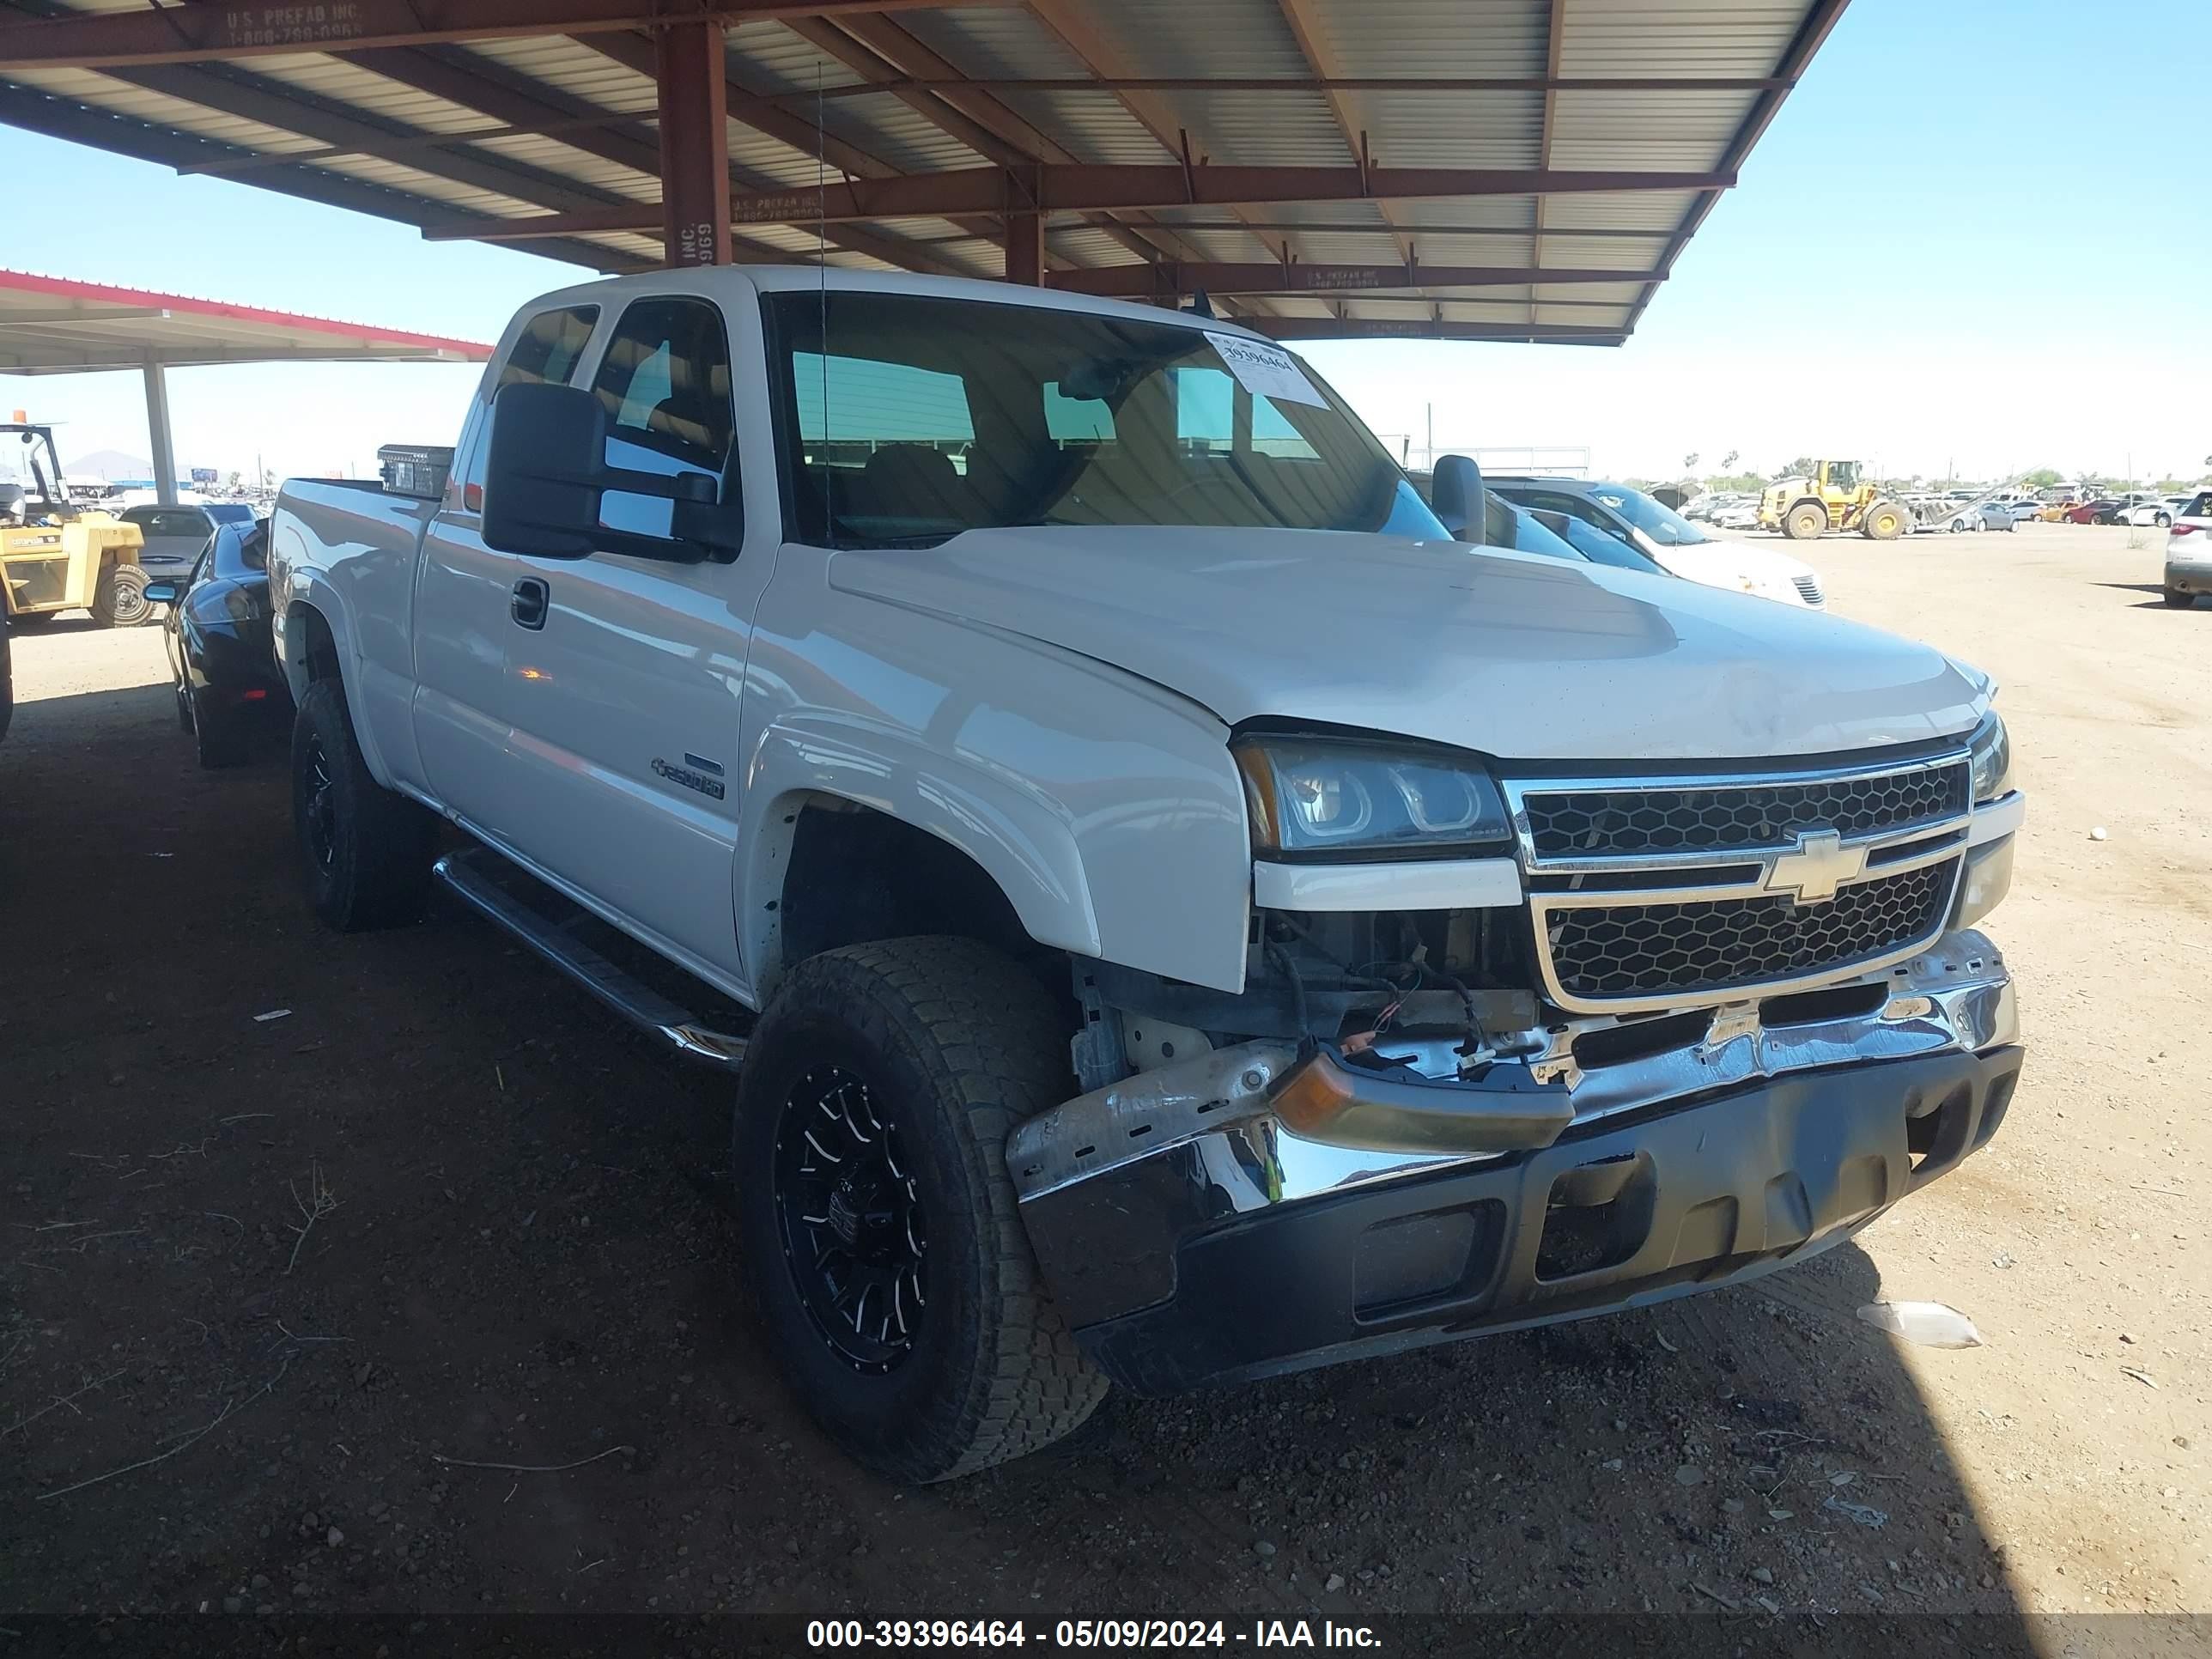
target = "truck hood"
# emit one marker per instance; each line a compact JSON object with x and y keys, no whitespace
{"x":1506,"y":653}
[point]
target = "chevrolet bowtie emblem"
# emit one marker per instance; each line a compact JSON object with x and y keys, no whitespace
{"x":1821,"y":865}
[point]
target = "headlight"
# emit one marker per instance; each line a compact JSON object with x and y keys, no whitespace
{"x":1312,"y":795}
{"x":1992,"y":756}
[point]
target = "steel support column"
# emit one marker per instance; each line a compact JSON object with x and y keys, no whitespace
{"x":1025,"y":248}
{"x":157,"y":426}
{"x":695,"y":145}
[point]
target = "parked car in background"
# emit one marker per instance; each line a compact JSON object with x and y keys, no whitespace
{"x":222,"y":662}
{"x":2024,"y":511}
{"x":2103,"y":510}
{"x":1990,"y":516}
{"x":2156,"y":511}
{"x":1629,"y":517}
{"x":2189,"y":551}
{"x":175,"y":535}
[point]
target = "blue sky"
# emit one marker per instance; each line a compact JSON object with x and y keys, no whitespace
{"x":1974,"y":236}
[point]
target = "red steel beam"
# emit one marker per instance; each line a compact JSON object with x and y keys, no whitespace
{"x":242,"y":29}
{"x":1332,"y":328}
{"x":1385,"y":83}
{"x":879,"y":51}
{"x":1167,"y":280}
{"x":1053,"y":189}
{"x":695,"y":146}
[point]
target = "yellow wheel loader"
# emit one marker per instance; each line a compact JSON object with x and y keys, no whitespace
{"x":1835,"y":497}
{"x":62,"y":557}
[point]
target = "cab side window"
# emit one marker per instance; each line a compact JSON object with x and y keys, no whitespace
{"x":664,"y":384}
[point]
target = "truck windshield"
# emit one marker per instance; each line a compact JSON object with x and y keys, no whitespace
{"x":925,"y":417}
{"x":1654,"y":518}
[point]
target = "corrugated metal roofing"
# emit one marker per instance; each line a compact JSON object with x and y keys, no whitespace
{"x":564,"y":129}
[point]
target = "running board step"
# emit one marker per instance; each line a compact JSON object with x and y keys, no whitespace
{"x":655,"y":1015}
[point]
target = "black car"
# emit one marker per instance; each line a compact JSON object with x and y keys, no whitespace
{"x":7,"y":674}
{"x":229,"y":693}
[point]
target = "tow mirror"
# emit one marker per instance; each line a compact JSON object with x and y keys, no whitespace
{"x":1456,"y":496}
{"x":548,"y":471}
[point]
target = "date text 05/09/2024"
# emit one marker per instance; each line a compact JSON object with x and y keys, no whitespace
{"x":827,"y":1634}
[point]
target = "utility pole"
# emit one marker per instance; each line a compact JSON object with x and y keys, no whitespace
{"x":1431,"y":409}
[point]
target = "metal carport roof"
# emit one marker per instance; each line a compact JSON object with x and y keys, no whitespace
{"x":54,"y":326}
{"x":1477,"y":169}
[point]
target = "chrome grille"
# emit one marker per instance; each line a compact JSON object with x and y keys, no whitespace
{"x":1631,"y":951}
{"x":1678,"y":892}
{"x":1809,"y":590}
{"x":1592,"y":821}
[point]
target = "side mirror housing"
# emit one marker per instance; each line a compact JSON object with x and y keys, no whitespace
{"x":163,"y":593}
{"x":548,"y":471}
{"x":1456,"y":496}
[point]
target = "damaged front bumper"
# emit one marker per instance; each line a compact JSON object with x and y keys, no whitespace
{"x":1255,"y":1211}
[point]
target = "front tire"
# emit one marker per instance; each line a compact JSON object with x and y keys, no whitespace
{"x":1805,"y":523}
{"x":1885,"y":521}
{"x":365,"y":851}
{"x":2161,"y":520}
{"x":869,"y":1146}
{"x":118,"y":597}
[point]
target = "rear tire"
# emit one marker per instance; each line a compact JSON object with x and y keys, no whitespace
{"x":2180,"y":600}
{"x":915,"y":1057}
{"x":1805,"y":522}
{"x":215,"y":735}
{"x":365,"y":851}
{"x":2161,"y":520}
{"x":118,"y":597}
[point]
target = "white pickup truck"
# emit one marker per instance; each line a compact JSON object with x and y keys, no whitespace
{"x":1204,"y":918}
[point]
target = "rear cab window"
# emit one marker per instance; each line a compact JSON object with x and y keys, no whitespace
{"x":547,"y":351}
{"x":2199,"y":506}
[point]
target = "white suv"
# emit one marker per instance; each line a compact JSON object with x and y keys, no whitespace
{"x":2189,"y":551}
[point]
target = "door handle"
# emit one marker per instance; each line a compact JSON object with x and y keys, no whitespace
{"x":531,"y":602}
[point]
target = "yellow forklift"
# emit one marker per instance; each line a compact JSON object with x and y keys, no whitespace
{"x":62,"y":556}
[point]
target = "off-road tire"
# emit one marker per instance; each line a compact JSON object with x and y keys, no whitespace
{"x":118,"y":597}
{"x":1885,"y":521}
{"x":216,"y":737}
{"x":2177,"y":600}
{"x":955,"y":1045}
{"x":367,"y":864}
{"x":1805,"y":523}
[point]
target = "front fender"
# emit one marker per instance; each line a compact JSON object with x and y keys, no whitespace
{"x":1107,"y":811}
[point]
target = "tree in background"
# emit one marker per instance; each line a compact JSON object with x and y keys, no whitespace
{"x":1728,"y":461}
{"x":1739,"y":483}
{"x":1690,"y":463}
{"x":1804,"y":467}
{"x":2042,"y":478}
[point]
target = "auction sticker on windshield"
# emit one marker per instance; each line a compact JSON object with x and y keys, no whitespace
{"x":1265,"y":371}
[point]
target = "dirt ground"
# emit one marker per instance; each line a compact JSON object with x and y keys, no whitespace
{"x":275,"y":1290}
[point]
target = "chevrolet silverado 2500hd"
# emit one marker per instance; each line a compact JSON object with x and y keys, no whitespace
{"x":1204,"y":916}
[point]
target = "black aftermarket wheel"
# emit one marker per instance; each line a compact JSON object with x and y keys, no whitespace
{"x":364,"y":851}
{"x":881,"y":1232}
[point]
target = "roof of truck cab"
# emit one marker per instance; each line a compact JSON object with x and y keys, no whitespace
{"x":1486,"y":169}
{"x":742,"y":281}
